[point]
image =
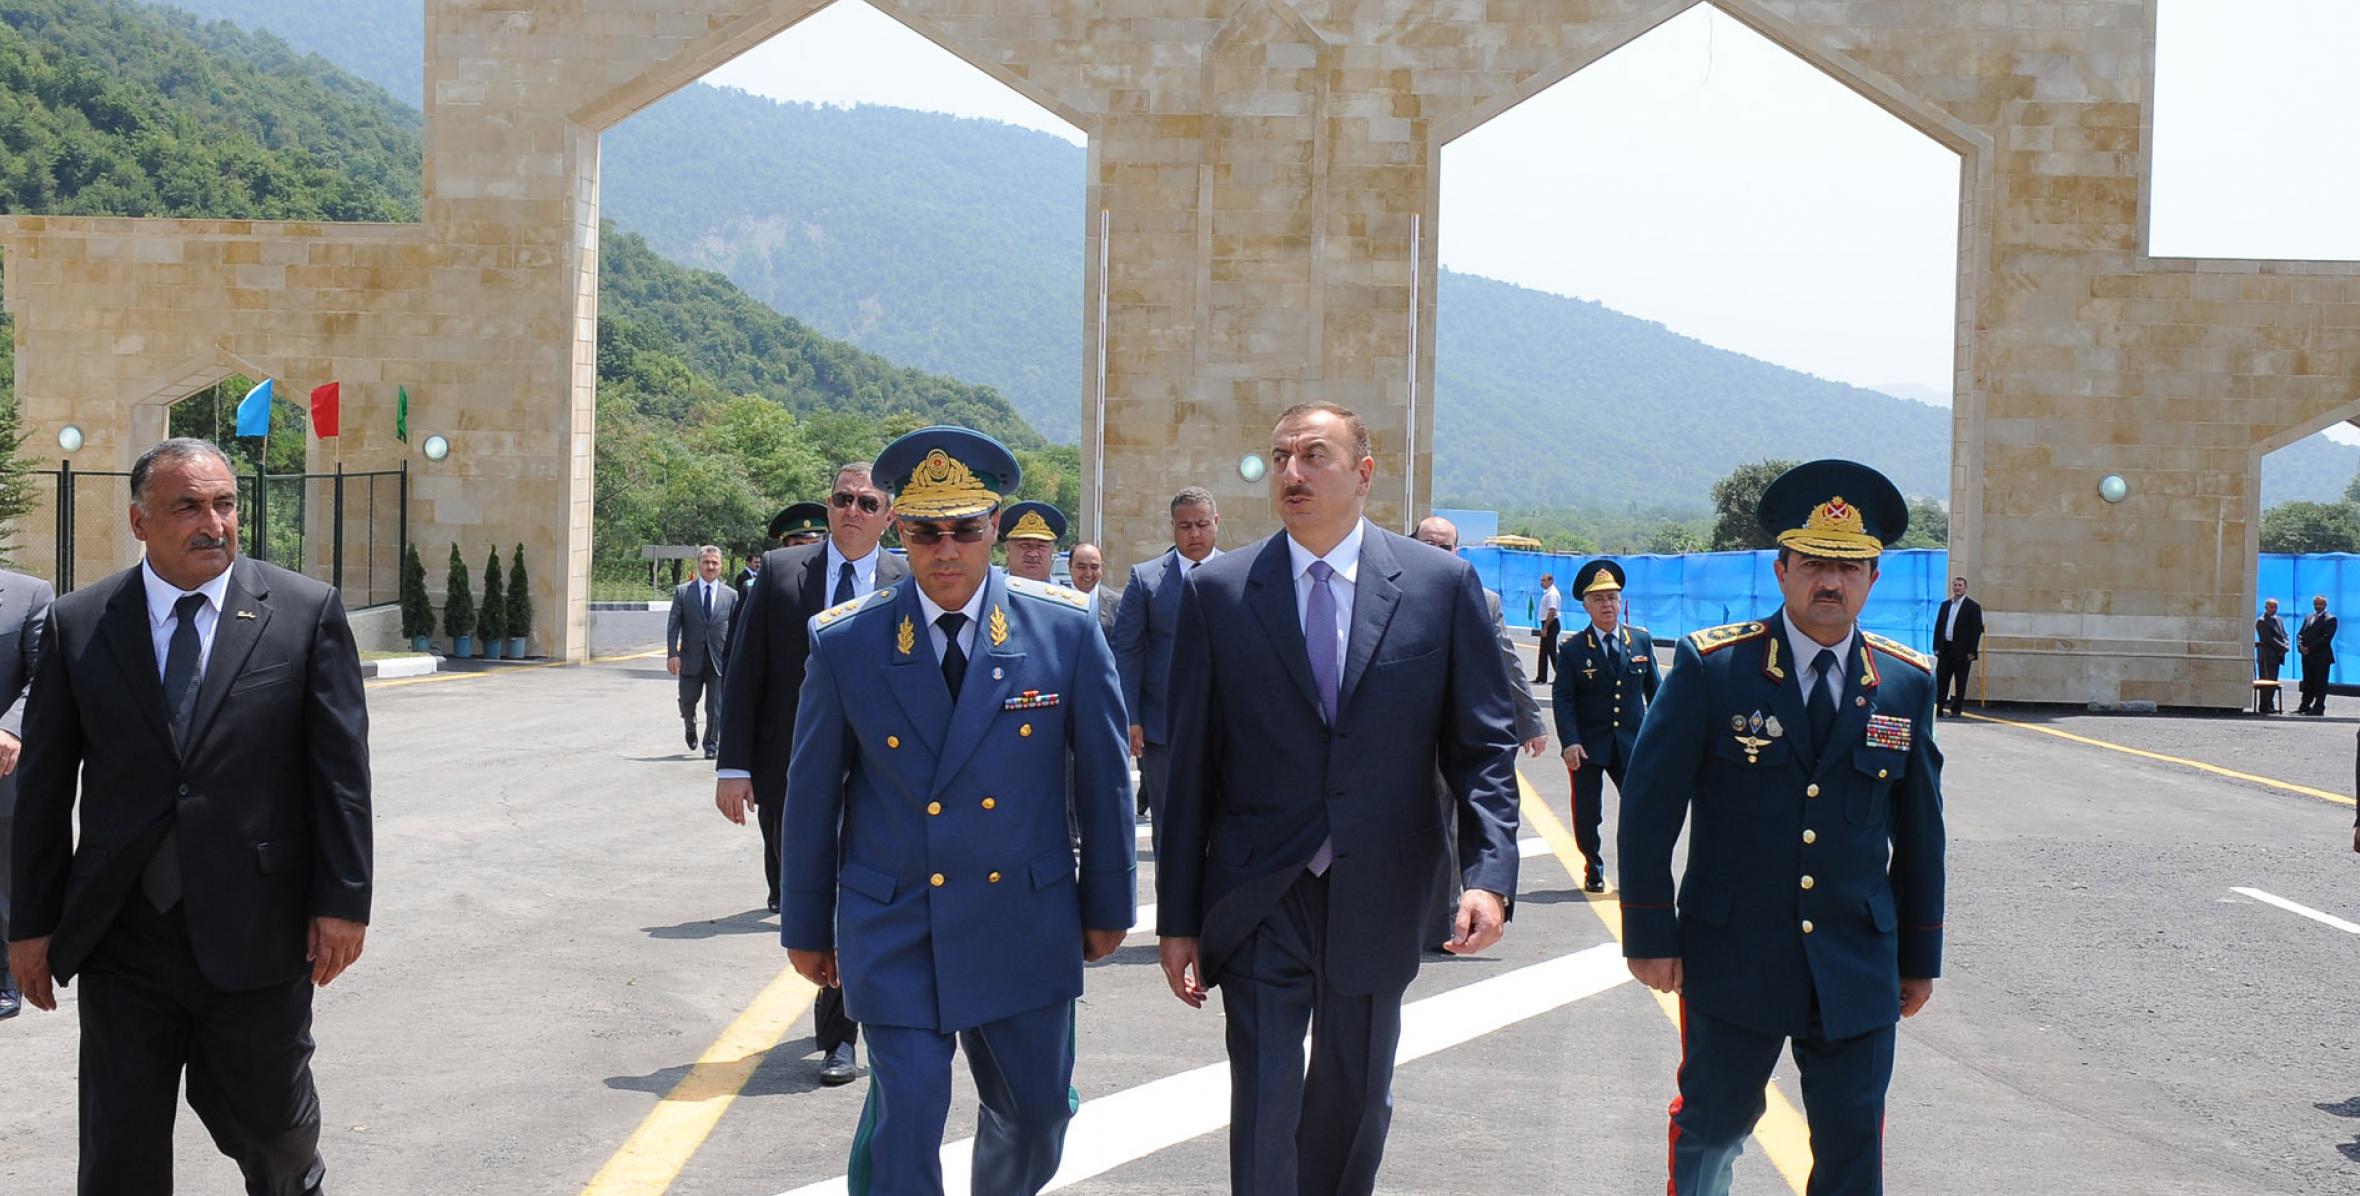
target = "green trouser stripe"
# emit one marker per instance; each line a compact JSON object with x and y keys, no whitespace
{"x":856,"y":1173}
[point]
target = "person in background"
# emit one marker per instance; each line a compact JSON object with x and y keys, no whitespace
{"x":696,"y":645}
{"x":1029,"y":531}
{"x":1606,"y":676}
{"x":24,"y":602}
{"x":1552,"y":606}
{"x":2316,"y":642}
{"x":1089,"y":568}
{"x":800,"y":524}
{"x":1143,"y":626}
{"x":2270,"y":644}
{"x":1958,"y":643}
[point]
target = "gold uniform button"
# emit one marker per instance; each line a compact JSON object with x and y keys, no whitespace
{"x":893,"y":741}
{"x":935,"y":880}
{"x":934,"y":807}
{"x":1810,"y":836}
{"x":1025,"y":730}
{"x":995,"y":878}
{"x":1811,"y":791}
{"x":1808,"y":882}
{"x":989,"y":804}
{"x":1880,"y":774}
{"x":1807,"y":928}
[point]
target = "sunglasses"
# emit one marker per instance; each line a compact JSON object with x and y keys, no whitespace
{"x":842,"y":500}
{"x":927,"y":535}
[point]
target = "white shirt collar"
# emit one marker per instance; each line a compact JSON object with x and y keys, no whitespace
{"x":1187,"y":565}
{"x":1344,"y":558}
{"x":973,"y":610}
{"x":161,"y":594}
{"x":1806,"y":650}
{"x":860,"y":568}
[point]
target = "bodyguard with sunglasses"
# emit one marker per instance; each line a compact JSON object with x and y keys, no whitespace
{"x":766,"y":674}
{"x":929,"y":869}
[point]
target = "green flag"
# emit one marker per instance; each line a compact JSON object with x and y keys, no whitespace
{"x":401,"y":416}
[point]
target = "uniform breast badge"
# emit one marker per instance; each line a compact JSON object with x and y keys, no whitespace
{"x":908,"y":638}
{"x":1031,"y":699}
{"x":1889,"y":731}
{"x":999,"y":626}
{"x":1589,"y":669}
{"x":1748,"y":731}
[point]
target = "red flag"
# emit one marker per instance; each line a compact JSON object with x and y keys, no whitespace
{"x":324,"y":402}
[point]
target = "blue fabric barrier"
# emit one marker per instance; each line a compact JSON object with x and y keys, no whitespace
{"x":2292,"y":580}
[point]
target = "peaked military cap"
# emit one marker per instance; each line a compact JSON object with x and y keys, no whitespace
{"x":798,"y":519}
{"x":1032,"y":519}
{"x":1841,"y":510}
{"x":944,"y":472}
{"x":1600,"y":574}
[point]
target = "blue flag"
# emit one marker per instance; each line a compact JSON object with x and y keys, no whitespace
{"x":254,"y":411}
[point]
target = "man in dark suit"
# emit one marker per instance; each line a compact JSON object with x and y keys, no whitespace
{"x":2316,"y":642}
{"x":2270,"y":644}
{"x":696,"y":645}
{"x":210,"y":708}
{"x":1799,"y":752}
{"x":1142,"y":639}
{"x":1958,"y":644}
{"x":1319,"y":679}
{"x":23,"y":603}
{"x":1088,"y":563}
{"x":1605,"y":678}
{"x":758,"y":708}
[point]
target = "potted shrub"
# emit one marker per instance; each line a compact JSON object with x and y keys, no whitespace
{"x":417,"y":608}
{"x":520,"y":606}
{"x":491,"y":619}
{"x":458,"y":608}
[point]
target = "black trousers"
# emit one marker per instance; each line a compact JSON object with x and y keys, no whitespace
{"x":1549,"y":631}
{"x":2315,"y":668}
{"x":1589,"y":807}
{"x":766,"y":816}
{"x":706,"y":681}
{"x":148,"y":1014}
{"x":831,"y":1027}
{"x":1950,"y":679}
{"x":7,"y":844}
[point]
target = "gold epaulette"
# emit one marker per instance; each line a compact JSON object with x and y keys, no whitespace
{"x":840,"y":610}
{"x":1898,"y":652}
{"x":1713,"y":639}
{"x":1041,"y":589}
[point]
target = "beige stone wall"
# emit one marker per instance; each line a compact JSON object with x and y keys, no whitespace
{"x":1269,"y":174}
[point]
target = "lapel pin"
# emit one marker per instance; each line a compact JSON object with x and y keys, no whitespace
{"x":245,"y":614}
{"x":1860,"y":701}
{"x":999,"y":674}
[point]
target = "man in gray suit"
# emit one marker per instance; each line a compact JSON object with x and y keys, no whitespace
{"x":1142,"y":638}
{"x":696,"y":645}
{"x":23,"y":601}
{"x":1088,"y":565}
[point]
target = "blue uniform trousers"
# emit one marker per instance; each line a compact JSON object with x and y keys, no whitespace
{"x":1293,"y":1133}
{"x":1023,"y":1069}
{"x":1589,"y":807}
{"x":1723,"y":1068}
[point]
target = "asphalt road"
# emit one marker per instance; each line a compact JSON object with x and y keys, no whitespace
{"x":565,"y":927}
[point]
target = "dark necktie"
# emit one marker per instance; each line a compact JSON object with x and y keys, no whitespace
{"x":1822,"y":706}
{"x":705,"y":593}
{"x":954,"y":658}
{"x":843,"y":585}
{"x":1613,"y":652}
{"x":161,"y":881}
{"x":1319,"y":640}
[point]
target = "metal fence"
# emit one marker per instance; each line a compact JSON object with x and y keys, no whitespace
{"x":346,"y":529}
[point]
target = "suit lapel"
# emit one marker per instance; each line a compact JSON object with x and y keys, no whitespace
{"x":915,"y":677}
{"x":814,"y":586}
{"x":127,"y":636}
{"x":1374,"y":596}
{"x":991,"y":672}
{"x":1270,"y":592}
{"x":245,"y":611}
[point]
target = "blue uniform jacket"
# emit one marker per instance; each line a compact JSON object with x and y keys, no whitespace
{"x":927,"y":843}
{"x":1598,"y":705}
{"x":1804,"y":875}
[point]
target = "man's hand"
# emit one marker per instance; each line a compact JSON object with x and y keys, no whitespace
{"x":1482,"y":919}
{"x":1575,"y":756}
{"x":819,"y":967}
{"x":1534,"y":746}
{"x":1182,"y":971}
{"x":1098,"y":944}
{"x":672,"y":663}
{"x":1914,"y":995}
{"x":1138,"y":741}
{"x":731,"y":795}
{"x":10,"y":749}
{"x":1662,"y":975}
{"x":335,"y":945}
{"x":28,"y":961}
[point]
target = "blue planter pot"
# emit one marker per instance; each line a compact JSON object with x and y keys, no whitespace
{"x":491,"y":648}
{"x":419,"y":643}
{"x":516,"y":647}
{"x":462,"y":646}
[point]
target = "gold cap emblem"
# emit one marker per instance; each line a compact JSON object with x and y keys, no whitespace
{"x":1834,"y":529}
{"x":943,"y":488}
{"x":1032,"y":527}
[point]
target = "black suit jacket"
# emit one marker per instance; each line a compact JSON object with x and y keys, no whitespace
{"x":2269,"y":639}
{"x":2316,"y":640}
{"x":271,"y":794}
{"x":1258,"y":777}
{"x":773,"y":640}
{"x":1969,"y":639}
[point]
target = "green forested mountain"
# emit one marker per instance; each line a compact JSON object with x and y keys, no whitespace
{"x":382,"y":41}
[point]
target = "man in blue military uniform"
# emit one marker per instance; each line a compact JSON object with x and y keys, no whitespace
{"x":1605,"y":678}
{"x":1799,"y":750}
{"x":1030,"y":530}
{"x":926,"y":864}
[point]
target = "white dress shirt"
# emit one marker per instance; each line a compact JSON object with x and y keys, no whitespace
{"x":1188,"y":566}
{"x":1551,"y":603}
{"x":1344,"y":558}
{"x":161,"y":595}
{"x":1807,"y":650}
{"x":864,"y":572}
{"x":705,"y":593}
{"x":974,"y":612}
{"x":1950,"y":627}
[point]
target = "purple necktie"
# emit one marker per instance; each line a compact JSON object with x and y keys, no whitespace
{"x":1319,"y":638}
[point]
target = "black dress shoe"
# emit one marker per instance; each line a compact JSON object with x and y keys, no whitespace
{"x":1595,"y":884}
{"x":10,"y":1003}
{"x":712,"y":752}
{"x":774,"y":905}
{"x":692,"y":737}
{"x":838,"y":1068}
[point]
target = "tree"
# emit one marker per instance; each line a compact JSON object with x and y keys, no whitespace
{"x":458,"y":602}
{"x":2311,"y":527}
{"x":520,"y":598}
{"x":17,"y":494}
{"x":1674,"y":539}
{"x":491,"y":619}
{"x":417,"y":608}
{"x":1929,"y":525}
{"x":1734,"y":499}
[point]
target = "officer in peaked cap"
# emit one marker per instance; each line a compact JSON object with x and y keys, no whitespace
{"x":926,"y":862}
{"x":800,"y":523}
{"x":1605,"y":678}
{"x":1031,"y":530}
{"x":1799,"y":750}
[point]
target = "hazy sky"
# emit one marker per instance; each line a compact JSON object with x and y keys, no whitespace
{"x":1704,"y":178}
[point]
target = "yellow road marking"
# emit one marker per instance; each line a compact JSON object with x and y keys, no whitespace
{"x":2199,"y":765}
{"x":679,"y":1124}
{"x":1785,"y":1139}
{"x":437,"y":678}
